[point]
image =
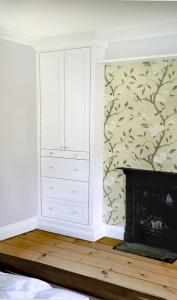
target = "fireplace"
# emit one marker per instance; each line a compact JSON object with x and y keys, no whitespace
{"x":151,"y":208}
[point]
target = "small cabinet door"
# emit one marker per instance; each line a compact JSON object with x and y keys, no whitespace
{"x":52,"y":99}
{"x":77,"y":94}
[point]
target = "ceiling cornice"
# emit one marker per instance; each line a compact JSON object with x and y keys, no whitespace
{"x":17,"y":37}
{"x":165,"y":29}
{"x":160,"y":30}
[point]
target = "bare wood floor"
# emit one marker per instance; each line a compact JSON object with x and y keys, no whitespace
{"x":96,"y":260}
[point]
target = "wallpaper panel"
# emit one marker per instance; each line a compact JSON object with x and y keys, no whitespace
{"x":140,"y":125}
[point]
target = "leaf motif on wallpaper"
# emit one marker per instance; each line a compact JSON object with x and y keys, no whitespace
{"x":175,"y":166}
{"x":158,"y":130}
{"x":147,"y":63}
{"x":140,"y":120}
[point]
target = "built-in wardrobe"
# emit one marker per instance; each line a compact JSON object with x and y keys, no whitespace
{"x":70,"y":120}
{"x":70,"y":140}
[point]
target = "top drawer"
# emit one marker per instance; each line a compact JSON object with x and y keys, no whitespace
{"x":65,"y":168}
{"x":65,"y":154}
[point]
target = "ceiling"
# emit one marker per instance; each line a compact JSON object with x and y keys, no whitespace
{"x":41,"y":18}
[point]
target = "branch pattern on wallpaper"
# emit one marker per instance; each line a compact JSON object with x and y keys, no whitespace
{"x":140,"y":125}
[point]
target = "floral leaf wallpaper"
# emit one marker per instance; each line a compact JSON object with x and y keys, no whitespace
{"x":140,"y":127}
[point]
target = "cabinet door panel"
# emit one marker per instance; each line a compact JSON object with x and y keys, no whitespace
{"x":77,"y":89}
{"x":52,"y":99}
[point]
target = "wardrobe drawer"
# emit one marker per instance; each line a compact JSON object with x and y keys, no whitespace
{"x":65,"y":168}
{"x":65,"y":189}
{"x":65,"y":210}
{"x":65,"y":154}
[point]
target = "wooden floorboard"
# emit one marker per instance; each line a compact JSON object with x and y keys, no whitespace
{"x":57,"y":276}
{"x":97,"y":261}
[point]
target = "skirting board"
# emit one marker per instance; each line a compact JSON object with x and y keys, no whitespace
{"x":71,"y":229}
{"x":18,"y":228}
{"x":81,"y":232}
{"x":115,"y":231}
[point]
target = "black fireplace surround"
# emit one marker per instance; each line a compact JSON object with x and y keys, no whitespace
{"x":151,"y":208}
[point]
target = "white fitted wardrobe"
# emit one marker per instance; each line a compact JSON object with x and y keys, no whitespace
{"x":70,"y":105}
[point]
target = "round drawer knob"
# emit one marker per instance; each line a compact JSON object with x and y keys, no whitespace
{"x":50,"y":167}
{"x":51,"y":153}
{"x":51,"y":188}
{"x":74,"y":212}
{"x":75,"y":169}
{"x":74,"y":191}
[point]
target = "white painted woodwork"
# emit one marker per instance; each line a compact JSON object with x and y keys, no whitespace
{"x":65,"y":168}
{"x":52,"y":99}
{"x":65,"y":154}
{"x":18,"y":228}
{"x":71,"y":152}
{"x":65,"y":210}
{"x":65,"y":189}
{"x":77,"y":96}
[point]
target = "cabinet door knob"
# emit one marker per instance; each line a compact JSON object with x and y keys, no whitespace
{"x":74,"y":212}
{"x":50,"y":207}
{"x":50,"y":167}
{"x":51,"y":188}
{"x":75,"y":169}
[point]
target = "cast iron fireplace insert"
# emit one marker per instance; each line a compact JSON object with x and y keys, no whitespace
{"x":151,"y":208}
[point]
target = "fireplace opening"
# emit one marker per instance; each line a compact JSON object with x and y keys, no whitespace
{"x":151,"y":214}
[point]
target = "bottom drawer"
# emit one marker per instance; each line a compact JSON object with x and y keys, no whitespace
{"x":65,"y":210}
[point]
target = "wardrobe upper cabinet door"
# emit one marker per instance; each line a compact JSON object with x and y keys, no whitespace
{"x":52,"y":99}
{"x":77,"y":94}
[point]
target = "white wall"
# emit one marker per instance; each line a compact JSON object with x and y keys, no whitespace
{"x":18,"y":182}
{"x":142,"y":47}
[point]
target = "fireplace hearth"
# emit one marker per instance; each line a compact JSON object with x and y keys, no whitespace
{"x":151,"y":212}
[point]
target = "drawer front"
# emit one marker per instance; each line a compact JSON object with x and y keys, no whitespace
{"x":65,"y":168}
{"x":65,"y":189}
{"x":65,"y":210}
{"x":65,"y":154}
